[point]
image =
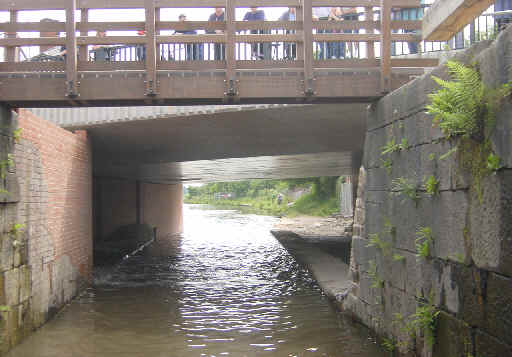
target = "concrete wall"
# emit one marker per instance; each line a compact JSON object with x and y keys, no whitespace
{"x":162,"y":207}
{"x":50,"y":194}
{"x":469,"y":270}
{"x":120,"y":203}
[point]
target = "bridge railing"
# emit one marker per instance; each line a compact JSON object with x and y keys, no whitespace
{"x":230,"y":45}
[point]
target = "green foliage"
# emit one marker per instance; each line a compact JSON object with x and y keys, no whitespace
{"x":387,"y":164}
{"x":5,"y":308}
{"x":376,"y":241}
{"x":16,"y":134}
{"x":388,"y":344}
{"x":6,"y":165}
{"x":493,"y":162}
{"x":424,"y":241}
{"x":377,"y":282}
{"x":466,"y":106}
{"x":16,"y":229}
{"x":432,"y":157}
{"x":425,"y":319}
{"x":398,"y":258}
{"x":448,"y":154}
{"x":404,"y":144}
{"x":403,"y":186}
{"x":432,"y":186}
{"x":390,"y":147}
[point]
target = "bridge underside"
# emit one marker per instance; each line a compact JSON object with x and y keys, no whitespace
{"x":280,"y":142}
{"x":128,"y":88}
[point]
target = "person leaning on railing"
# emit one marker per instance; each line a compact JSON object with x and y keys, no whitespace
{"x":101,"y":52}
{"x":218,"y":48}
{"x":290,"y":49}
{"x":193,"y":51}
{"x":321,"y":13}
{"x":259,"y":50}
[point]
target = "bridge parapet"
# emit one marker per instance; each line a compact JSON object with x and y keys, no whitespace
{"x":233,"y":62}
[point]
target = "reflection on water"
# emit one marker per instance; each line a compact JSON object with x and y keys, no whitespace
{"x":226,"y":287}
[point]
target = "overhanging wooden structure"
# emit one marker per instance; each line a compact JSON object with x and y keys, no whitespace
{"x":152,"y":80}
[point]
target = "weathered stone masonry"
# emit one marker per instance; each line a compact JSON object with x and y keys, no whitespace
{"x":469,"y":272}
{"x":50,"y":193}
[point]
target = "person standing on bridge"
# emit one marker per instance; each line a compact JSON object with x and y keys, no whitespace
{"x":193,"y":51}
{"x":290,"y":49}
{"x":218,"y":48}
{"x":259,"y":50}
{"x":321,"y":13}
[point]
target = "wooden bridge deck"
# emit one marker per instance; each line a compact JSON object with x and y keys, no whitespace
{"x":155,"y":79}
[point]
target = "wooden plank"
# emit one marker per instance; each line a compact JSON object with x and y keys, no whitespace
{"x":268,"y":25}
{"x":190,"y":65}
{"x":370,"y":47}
{"x":84,"y":18}
{"x":190,"y":25}
{"x":268,"y":38}
{"x":406,"y":25}
{"x":111,"y":26}
{"x":71,"y":50}
{"x":346,"y":25}
{"x":346,"y":37}
{"x":17,"y":42}
{"x":414,"y":62}
{"x":265,"y":64}
{"x":139,"y":4}
{"x":347,"y":63}
{"x":447,"y":17}
{"x":151,"y":48}
{"x":207,"y":38}
{"x":33,"y":27}
{"x":6,"y":67}
{"x":111,"y":40}
{"x":385,"y":46}
{"x":87,"y":66}
{"x":230,"y":16}
{"x":299,"y":15}
{"x":307,"y":15}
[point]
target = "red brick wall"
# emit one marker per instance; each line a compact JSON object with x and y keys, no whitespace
{"x":66,"y":163}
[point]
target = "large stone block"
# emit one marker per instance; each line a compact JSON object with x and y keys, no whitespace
{"x":491,"y":223}
{"x":489,"y":346}
{"x":453,"y":337}
{"x":12,"y":286}
{"x":499,"y":307}
{"x":6,"y":253}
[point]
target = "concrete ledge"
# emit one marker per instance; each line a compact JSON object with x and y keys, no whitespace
{"x":328,"y":269}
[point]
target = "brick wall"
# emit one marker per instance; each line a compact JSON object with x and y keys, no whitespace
{"x":52,"y":182}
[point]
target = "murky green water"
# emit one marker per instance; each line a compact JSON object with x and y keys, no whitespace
{"x":226,"y":288}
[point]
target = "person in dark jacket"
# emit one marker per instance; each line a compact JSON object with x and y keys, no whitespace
{"x":259,"y":50}
{"x":218,"y":48}
{"x":290,"y":49}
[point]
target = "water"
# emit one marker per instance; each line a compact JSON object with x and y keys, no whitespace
{"x":226,"y":288}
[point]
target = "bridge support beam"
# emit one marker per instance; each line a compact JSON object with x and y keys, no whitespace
{"x":120,"y":202}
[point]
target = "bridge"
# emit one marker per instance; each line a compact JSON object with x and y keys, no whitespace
{"x":154,"y":68}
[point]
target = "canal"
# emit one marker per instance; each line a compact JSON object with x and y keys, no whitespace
{"x":225,"y":288}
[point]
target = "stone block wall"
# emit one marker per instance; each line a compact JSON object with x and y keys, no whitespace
{"x":468,"y":272}
{"x":49,"y":196}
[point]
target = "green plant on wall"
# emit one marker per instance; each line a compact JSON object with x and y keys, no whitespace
{"x":424,"y":242}
{"x":403,"y":186}
{"x":425,"y":319}
{"x":376,"y":241}
{"x":15,"y":231}
{"x":16,"y":134}
{"x":466,"y":108}
{"x":387,"y":164}
{"x":390,"y":147}
{"x":431,"y":185}
{"x":6,"y":165}
{"x":377,"y":282}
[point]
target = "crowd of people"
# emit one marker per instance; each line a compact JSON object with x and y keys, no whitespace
{"x":322,"y":50}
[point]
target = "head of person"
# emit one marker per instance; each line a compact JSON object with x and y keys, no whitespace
{"x":254,"y":8}
{"x":291,"y":10}
{"x":101,"y":33}
{"x":49,"y":33}
{"x":219,"y":11}
{"x":182,"y":17}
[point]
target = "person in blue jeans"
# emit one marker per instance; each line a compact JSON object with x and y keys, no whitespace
{"x":290,"y":49}
{"x":259,"y":50}
{"x":193,"y":51}
{"x":504,"y":19}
